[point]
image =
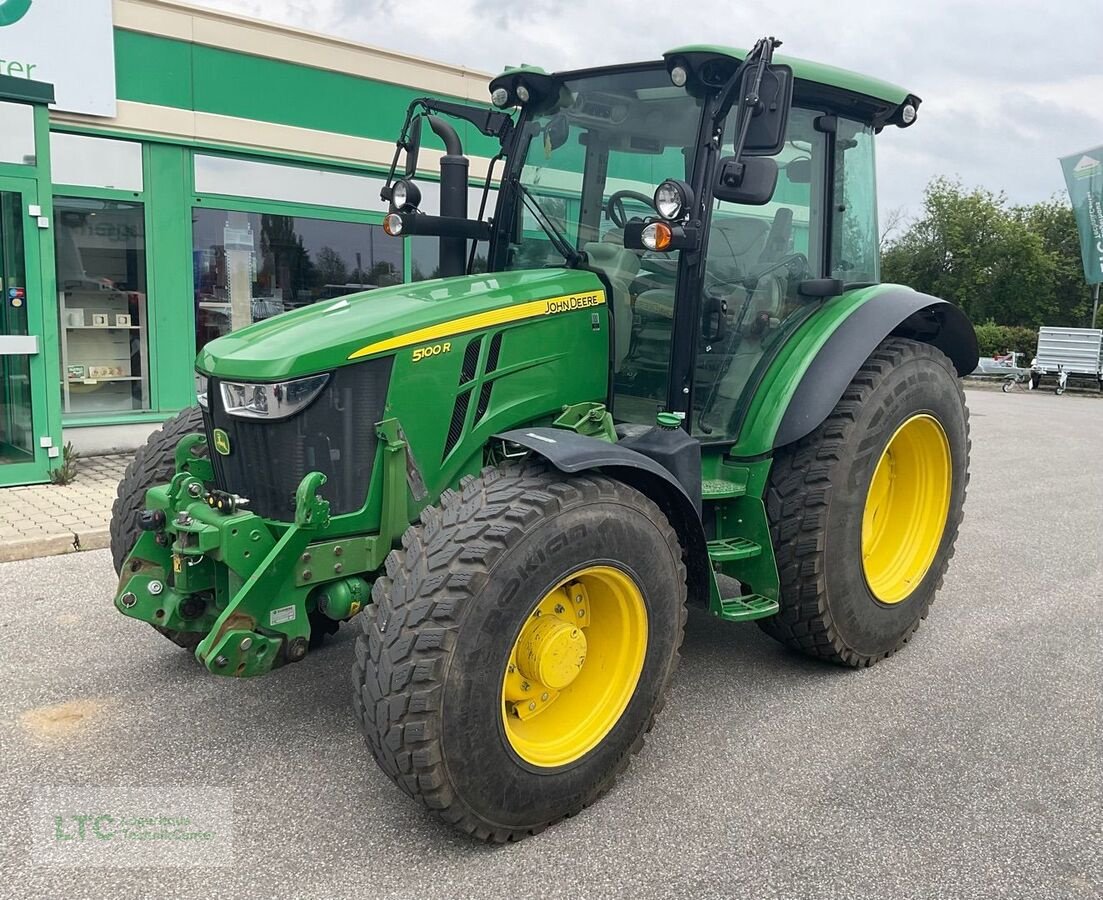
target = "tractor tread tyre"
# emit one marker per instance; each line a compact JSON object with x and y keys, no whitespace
{"x":153,"y":464}
{"x":410,"y":641}
{"x":800,"y":493}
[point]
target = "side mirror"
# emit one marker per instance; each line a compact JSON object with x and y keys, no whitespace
{"x":750,"y":181}
{"x":769,"y":120}
{"x":413,"y":147}
{"x":556,"y":132}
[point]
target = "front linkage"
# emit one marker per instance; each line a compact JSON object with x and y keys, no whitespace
{"x":204,"y":565}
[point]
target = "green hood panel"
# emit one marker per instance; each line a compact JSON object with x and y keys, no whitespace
{"x":336,"y":332}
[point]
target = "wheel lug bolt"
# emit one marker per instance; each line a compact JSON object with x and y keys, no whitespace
{"x":559,"y":608}
{"x":512,"y":668}
{"x":532,"y":705}
{"x":524,"y":685}
{"x":578,"y":598}
{"x":581,"y":613}
{"x":544,"y":697}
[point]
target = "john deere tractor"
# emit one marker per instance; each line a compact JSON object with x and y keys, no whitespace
{"x":677,"y":382}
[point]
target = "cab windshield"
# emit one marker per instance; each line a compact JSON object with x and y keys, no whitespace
{"x":594,"y":159}
{"x":590,"y":165}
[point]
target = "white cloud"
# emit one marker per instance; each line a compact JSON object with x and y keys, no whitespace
{"x":1007,"y":87}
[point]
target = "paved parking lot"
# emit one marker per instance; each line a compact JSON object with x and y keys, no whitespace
{"x":968,"y":766}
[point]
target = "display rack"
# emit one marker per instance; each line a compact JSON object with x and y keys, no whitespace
{"x":104,"y":347}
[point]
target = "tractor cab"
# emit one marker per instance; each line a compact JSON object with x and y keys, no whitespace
{"x":720,"y":195}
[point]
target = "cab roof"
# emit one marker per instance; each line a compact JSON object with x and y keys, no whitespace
{"x":814,"y":72}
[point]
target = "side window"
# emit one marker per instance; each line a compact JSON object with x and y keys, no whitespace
{"x":855,"y":252}
{"x":757,"y":256}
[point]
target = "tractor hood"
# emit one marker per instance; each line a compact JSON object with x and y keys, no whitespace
{"x":339,"y":332}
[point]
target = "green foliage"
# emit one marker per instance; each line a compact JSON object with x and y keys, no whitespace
{"x":1019,"y":265}
{"x":996,"y":340}
{"x":67,"y":471}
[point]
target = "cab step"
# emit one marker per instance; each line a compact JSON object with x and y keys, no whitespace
{"x":722,"y":489}
{"x":729,"y":549}
{"x":747,"y":608}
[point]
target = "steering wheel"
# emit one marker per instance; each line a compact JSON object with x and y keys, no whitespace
{"x":614,"y":206}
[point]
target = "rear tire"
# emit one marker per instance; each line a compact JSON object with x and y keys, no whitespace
{"x":817,"y":499}
{"x":433,"y":661}
{"x":153,"y":464}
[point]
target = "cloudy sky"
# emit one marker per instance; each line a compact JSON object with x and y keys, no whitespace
{"x":1007,"y":86}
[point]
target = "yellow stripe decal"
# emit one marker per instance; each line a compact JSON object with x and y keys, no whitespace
{"x":530,"y":310}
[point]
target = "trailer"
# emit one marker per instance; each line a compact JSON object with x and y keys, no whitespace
{"x":1077,"y":352}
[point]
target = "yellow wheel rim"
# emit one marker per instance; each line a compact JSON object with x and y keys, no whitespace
{"x":906,"y":507}
{"x":574,"y":667}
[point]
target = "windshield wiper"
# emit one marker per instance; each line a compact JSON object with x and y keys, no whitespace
{"x":558,"y":239}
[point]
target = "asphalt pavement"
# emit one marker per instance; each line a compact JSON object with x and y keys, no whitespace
{"x":967,"y":766}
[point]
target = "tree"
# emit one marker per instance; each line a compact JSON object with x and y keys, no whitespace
{"x":971,"y":247}
{"x":1055,"y":223}
{"x":331,"y":267}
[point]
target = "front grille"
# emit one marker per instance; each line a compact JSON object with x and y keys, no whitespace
{"x":335,"y":435}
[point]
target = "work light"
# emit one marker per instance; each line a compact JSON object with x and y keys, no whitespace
{"x":673,"y":199}
{"x":678,"y":76}
{"x":522,"y":93}
{"x":405,"y":195}
{"x":499,"y":97}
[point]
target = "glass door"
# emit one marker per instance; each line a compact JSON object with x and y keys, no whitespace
{"x":23,"y":458}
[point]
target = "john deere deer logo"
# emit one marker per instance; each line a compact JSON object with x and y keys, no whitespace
{"x":11,"y":11}
{"x":221,"y":442}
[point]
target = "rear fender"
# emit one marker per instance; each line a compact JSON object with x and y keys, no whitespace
{"x":808,"y":378}
{"x":573,"y":453}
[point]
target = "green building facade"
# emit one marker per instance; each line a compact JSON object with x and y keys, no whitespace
{"x":238,"y":178}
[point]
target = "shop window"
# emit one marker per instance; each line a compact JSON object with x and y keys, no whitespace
{"x":17,"y":133}
{"x":96,"y":162}
{"x":252,"y":266}
{"x":292,"y":184}
{"x":425,"y":250}
{"x":101,"y":282}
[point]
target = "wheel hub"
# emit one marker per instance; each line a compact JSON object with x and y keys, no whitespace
{"x":551,"y":651}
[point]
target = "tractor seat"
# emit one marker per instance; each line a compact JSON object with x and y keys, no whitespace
{"x":619,"y":266}
{"x":736,"y":243}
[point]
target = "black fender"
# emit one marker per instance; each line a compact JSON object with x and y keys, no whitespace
{"x":894,"y":311}
{"x":572,"y":453}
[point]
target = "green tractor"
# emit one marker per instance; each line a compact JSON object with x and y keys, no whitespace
{"x":677,"y":382}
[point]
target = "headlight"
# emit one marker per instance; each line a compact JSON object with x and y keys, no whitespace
{"x":270,"y":401}
{"x":392,"y":224}
{"x":656,"y":236}
{"x":405,"y":195}
{"x":673,"y":199}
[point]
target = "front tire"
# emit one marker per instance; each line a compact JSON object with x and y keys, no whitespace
{"x":865,"y":510}
{"x":525,"y":584}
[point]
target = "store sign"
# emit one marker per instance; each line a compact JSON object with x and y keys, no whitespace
{"x":68,"y":43}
